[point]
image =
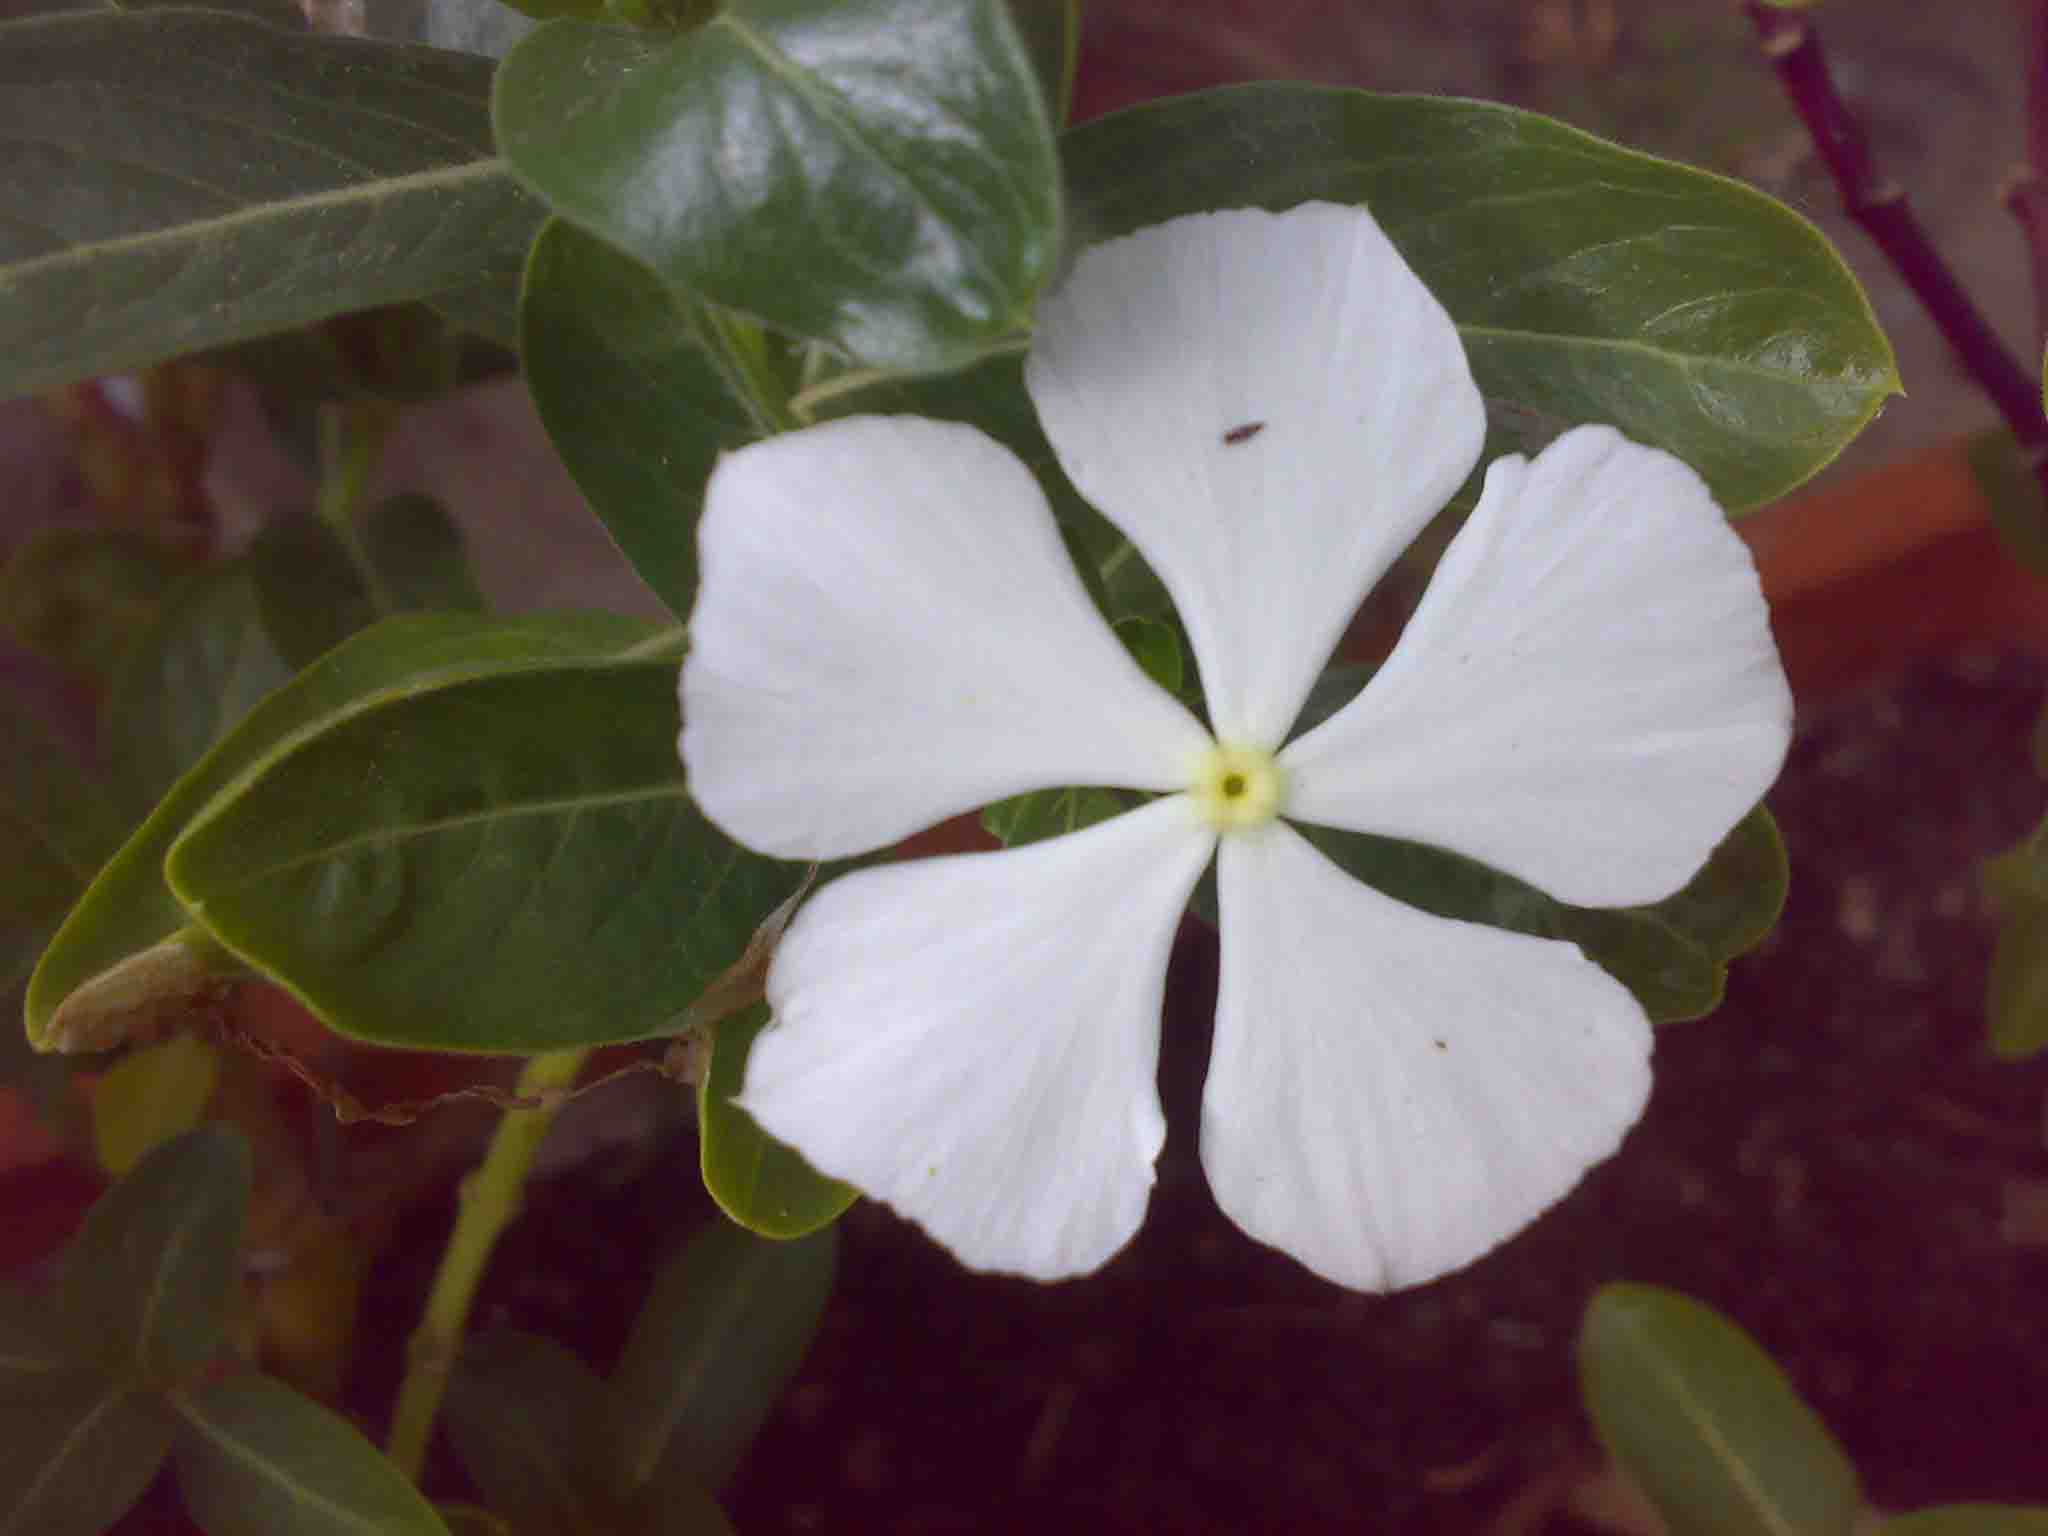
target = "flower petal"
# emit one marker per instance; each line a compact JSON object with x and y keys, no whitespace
{"x":973,"y":1040}
{"x":1392,"y":1094}
{"x":1270,"y":406}
{"x":1588,"y":696}
{"x":889,"y":631}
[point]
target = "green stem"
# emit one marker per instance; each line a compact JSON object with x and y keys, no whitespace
{"x":489,"y":1200}
{"x":352,"y":437}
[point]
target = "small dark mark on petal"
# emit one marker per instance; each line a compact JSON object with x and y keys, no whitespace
{"x":1441,"y":1046}
{"x":1243,"y":434}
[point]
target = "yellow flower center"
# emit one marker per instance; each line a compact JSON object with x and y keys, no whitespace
{"x":1236,"y":788}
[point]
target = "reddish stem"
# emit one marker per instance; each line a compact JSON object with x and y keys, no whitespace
{"x":1792,"y":44}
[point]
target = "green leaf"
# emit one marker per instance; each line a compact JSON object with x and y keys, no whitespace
{"x":149,"y":1279}
{"x":128,"y":920}
{"x":633,"y":403}
{"x":77,"y":1448}
{"x":434,"y":871}
{"x":523,"y":1414}
{"x":56,"y":825}
{"x":1673,"y":955}
{"x":1051,"y":30}
{"x":254,"y":1458}
{"x":182,"y":179}
{"x":1041,"y":813}
{"x":150,"y":1096}
{"x":1705,"y":1423}
{"x":1970,"y":1520}
{"x":80,"y":596}
{"x":2017,"y":883}
{"x":1589,"y":282}
{"x":724,"y":1330}
{"x":420,"y":557}
{"x":1154,"y":645}
{"x":2012,"y":497}
{"x":899,"y":198}
{"x":196,"y":670}
{"x":760,"y":1183}
{"x":2019,"y":985}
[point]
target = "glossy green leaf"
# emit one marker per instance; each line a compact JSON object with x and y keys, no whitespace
{"x":633,"y":403}
{"x":254,"y":1458}
{"x":1673,"y":955}
{"x":1970,"y":1520}
{"x":1705,"y":1423}
{"x":510,"y":863}
{"x":1042,"y":813}
{"x":523,"y":1414}
{"x":81,"y":596}
{"x":900,"y":196}
{"x":77,"y":1448}
{"x":722,"y":1333}
{"x":150,"y":1096}
{"x":177,"y":180}
{"x":148,"y":1282}
{"x":1589,"y":282}
{"x":420,"y":557}
{"x":129,"y":912}
{"x":759,"y":1182}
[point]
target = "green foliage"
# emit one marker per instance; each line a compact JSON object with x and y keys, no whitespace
{"x":221,"y":179}
{"x":254,"y":1458}
{"x":633,"y":402}
{"x":726,"y":1326}
{"x":1705,"y":1423}
{"x":763,"y":1185}
{"x":901,"y":201}
{"x":1043,"y":813}
{"x":2017,"y":881}
{"x":147,"y":1282}
{"x":419,"y":558}
{"x":522,"y":1412}
{"x":431,"y":870}
{"x":77,"y":1447}
{"x":1589,"y":283}
{"x":129,"y":911}
{"x":150,"y":1095}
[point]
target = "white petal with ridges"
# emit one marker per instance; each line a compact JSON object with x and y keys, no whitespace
{"x":1588,"y":696}
{"x":974,"y":1040}
{"x":889,"y":631}
{"x":1269,"y":406}
{"x":1393,"y":1094}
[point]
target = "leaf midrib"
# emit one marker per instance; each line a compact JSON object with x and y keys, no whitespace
{"x":568,"y":805}
{"x":222,"y":226}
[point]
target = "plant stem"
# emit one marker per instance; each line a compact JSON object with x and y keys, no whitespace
{"x":490,"y":1198}
{"x":2026,"y":193}
{"x":739,"y":348}
{"x":1792,"y":44}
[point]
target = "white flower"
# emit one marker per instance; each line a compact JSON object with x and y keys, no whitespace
{"x":889,"y":632}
